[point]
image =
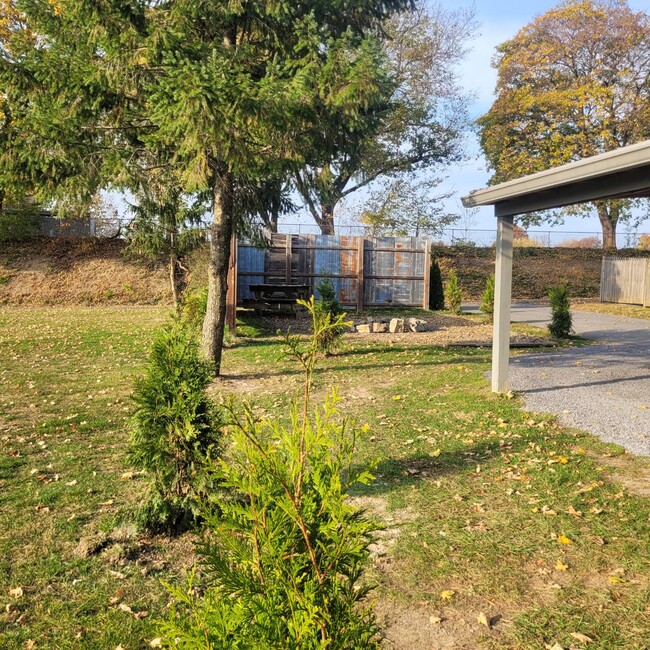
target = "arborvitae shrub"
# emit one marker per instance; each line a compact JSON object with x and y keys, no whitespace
{"x":453,"y":295}
{"x":436,"y":290}
{"x":176,"y":431}
{"x":194,"y":306}
{"x":328,"y":306}
{"x":561,"y":324}
{"x":285,"y":554}
{"x":487,"y":299}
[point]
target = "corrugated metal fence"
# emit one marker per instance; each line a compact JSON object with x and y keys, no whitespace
{"x":626,"y":281}
{"x":366,"y":271}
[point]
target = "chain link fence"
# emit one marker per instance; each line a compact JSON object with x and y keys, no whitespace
{"x":115,"y":227}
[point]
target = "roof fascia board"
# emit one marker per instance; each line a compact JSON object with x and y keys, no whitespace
{"x":633,"y":182}
{"x":582,"y":170}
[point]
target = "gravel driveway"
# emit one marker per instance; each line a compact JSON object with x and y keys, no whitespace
{"x":603,"y":388}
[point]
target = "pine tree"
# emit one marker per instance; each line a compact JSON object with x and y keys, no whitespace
{"x":225,"y":95}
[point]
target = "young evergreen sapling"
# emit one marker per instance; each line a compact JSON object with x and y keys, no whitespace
{"x":487,"y":299}
{"x":176,"y":432}
{"x":453,"y":294}
{"x":329,"y":309}
{"x":286,"y":552}
{"x":561,"y":324}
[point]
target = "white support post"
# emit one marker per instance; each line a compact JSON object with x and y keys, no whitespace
{"x":502,"y":300}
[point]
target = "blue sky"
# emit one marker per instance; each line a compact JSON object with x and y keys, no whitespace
{"x":498,"y":21}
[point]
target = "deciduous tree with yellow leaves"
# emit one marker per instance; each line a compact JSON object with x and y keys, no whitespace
{"x":573,"y":83}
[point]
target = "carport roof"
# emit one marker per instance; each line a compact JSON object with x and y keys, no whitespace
{"x":618,"y":174}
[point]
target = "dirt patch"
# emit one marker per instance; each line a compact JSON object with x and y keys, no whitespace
{"x":441,"y":330}
{"x":626,"y":470}
{"x":391,"y":521}
{"x":427,"y":627}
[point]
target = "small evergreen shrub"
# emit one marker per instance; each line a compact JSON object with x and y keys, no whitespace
{"x":561,"y":324}
{"x":176,"y":432}
{"x":436,"y":290}
{"x":285,"y":554}
{"x":328,"y":307}
{"x":194,"y":306}
{"x":487,"y":299}
{"x":453,"y":295}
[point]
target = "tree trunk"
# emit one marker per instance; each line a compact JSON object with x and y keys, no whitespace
{"x":273,"y":221}
{"x":173,"y":277}
{"x":608,"y":221}
{"x":326,"y":222}
{"x":221,"y":231}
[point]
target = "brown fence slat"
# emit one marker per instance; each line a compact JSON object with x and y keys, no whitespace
{"x":625,"y":281}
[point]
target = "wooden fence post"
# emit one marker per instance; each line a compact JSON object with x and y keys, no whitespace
{"x":231,"y":296}
{"x":360,"y":249}
{"x":288,"y":253}
{"x":427,"y":275}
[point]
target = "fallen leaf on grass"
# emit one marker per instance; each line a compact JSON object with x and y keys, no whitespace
{"x":156,"y":643}
{"x":435,"y":453}
{"x":563,"y":539}
{"x":583,"y":638}
{"x":124,"y":608}
{"x":17,"y":592}
{"x":484,"y":620}
{"x":72,"y":483}
{"x":435,"y":620}
{"x":447,"y":595}
{"x":560,"y":566}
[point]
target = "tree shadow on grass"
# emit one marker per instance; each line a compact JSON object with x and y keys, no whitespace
{"x":349,"y":368}
{"x":397,"y":473}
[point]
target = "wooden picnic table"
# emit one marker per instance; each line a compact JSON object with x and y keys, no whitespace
{"x":277,"y":296}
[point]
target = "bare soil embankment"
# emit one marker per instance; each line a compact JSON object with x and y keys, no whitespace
{"x":534,"y":269}
{"x":91,"y":271}
{"x":77,"y":272}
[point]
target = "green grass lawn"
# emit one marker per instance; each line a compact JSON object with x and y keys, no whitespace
{"x":631,"y":311}
{"x":488,"y":508}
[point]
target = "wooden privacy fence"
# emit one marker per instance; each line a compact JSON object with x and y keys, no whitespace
{"x":365,"y":271}
{"x":626,"y":281}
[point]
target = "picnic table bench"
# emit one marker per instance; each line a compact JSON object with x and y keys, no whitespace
{"x":279,"y":296}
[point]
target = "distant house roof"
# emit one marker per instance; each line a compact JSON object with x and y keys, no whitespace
{"x":622,"y":173}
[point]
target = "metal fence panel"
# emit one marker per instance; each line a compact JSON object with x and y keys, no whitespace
{"x":392,"y":271}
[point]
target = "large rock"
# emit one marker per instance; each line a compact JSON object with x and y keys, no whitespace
{"x":396,"y":326}
{"x":364,"y":328}
{"x":380,"y":328}
{"x":416,"y":325}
